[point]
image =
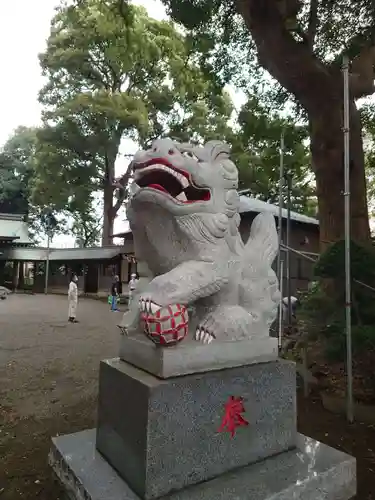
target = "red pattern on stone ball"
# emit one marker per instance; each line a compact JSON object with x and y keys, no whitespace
{"x":167,"y":326}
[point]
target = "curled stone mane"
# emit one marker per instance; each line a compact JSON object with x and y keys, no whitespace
{"x":219,"y":153}
{"x":209,"y":227}
{"x":214,"y":152}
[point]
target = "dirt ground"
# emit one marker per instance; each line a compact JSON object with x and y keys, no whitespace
{"x":48,"y":383}
{"x":48,"y":386}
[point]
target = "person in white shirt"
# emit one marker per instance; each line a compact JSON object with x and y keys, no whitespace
{"x":132,"y":287}
{"x":73,"y":299}
{"x":293,"y":305}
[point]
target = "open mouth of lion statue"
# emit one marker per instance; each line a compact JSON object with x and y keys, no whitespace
{"x":160,"y":175}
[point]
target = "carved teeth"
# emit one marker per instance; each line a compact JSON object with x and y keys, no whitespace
{"x":181,"y":197}
{"x":181,"y":178}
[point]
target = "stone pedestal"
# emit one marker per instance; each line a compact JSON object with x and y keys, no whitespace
{"x":312,"y":471}
{"x":193,"y":357}
{"x":167,"y":438}
{"x":170,"y":428}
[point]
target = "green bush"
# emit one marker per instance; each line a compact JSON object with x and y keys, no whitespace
{"x":318,"y":311}
{"x":331,"y":263}
{"x":322,"y":310}
{"x":363,"y":340}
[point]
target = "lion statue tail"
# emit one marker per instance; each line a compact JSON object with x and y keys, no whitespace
{"x":259,"y":289}
{"x":263,"y":238}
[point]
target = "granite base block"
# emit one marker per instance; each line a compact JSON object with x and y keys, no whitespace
{"x":313,"y":471}
{"x":193,"y":357}
{"x":163,"y":435}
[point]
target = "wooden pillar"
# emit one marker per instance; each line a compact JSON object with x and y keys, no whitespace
{"x":2,"y":274}
{"x":124,"y":269}
{"x":84,"y":275}
{"x":21,"y":275}
{"x":34,"y":276}
{"x":15,"y":274}
{"x":99,"y":272}
{"x":118,"y":267}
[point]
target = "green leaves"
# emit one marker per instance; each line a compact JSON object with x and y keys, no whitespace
{"x":331,"y":263}
{"x":16,"y":170}
{"x":256,"y":151}
{"x":113,"y":73}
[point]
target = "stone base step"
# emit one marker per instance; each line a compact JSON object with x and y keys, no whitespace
{"x":313,"y":471}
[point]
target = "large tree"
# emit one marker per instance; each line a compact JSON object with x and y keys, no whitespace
{"x":301,"y":44}
{"x":256,"y":143}
{"x":17,"y":177}
{"x":108,"y":80}
{"x":17,"y":170}
{"x":86,"y":225}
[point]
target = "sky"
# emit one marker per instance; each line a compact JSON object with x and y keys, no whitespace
{"x":24,"y":29}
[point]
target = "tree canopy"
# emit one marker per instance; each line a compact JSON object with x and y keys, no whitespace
{"x":256,"y":144}
{"x":107,"y":80}
{"x":16,"y":171}
{"x":140,"y":79}
{"x":300,"y":43}
{"x":322,"y":29}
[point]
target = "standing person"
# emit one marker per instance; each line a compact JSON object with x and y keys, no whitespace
{"x":115,"y":291}
{"x":132,"y":287}
{"x":73,"y":299}
{"x":293,"y":306}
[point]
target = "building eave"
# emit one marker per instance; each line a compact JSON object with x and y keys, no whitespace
{"x":64,"y":255}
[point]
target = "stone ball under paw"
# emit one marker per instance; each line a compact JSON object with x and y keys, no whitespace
{"x":166,"y":326}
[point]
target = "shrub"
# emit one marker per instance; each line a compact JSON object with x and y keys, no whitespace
{"x":331,"y":263}
{"x":322,"y":310}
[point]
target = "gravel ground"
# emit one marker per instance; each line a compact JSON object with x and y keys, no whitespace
{"x":48,"y":383}
{"x":48,"y":386}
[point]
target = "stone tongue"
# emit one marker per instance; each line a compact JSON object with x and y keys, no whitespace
{"x":158,"y":186}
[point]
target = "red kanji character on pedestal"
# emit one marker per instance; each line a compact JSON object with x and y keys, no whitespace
{"x":232,"y":417}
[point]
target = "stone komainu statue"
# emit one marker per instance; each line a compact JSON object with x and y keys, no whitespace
{"x":184,"y":215}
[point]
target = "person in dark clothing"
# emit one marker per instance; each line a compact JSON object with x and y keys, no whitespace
{"x":115,"y":292}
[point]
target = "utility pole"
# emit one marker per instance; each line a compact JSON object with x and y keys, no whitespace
{"x":288,"y":282}
{"x":280,"y":336}
{"x":47,"y":262}
{"x":281,"y":188}
{"x":50,"y":224}
{"x":348,"y":299}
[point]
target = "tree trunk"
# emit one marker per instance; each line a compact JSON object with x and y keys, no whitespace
{"x":318,"y":87}
{"x":108,"y":216}
{"x":327,"y":148}
{"x":109,"y":210}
